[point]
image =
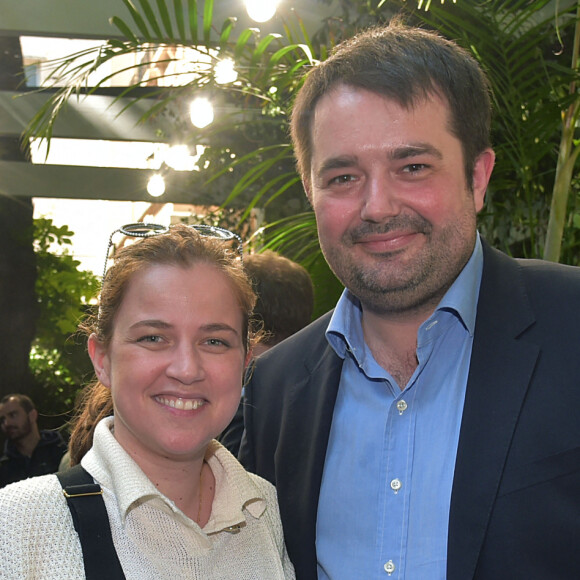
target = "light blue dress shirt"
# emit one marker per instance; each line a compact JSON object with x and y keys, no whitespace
{"x":386,"y":488}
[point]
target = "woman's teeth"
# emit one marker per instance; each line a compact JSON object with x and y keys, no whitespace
{"x":179,"y":403}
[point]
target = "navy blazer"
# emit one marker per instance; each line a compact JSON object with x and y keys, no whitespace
{"x":515,"y":503}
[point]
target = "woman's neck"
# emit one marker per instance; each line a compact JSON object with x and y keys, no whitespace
{"x":189,"y":484}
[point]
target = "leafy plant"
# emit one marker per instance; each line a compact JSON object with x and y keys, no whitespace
{"x":58,"y":360}
{"x":245,"y":173}
{"x":525,"y":48}
{"x":567,"y":157}
{"x":522,"y":44}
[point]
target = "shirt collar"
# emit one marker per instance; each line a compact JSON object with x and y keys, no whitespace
{"x":344,"y":332}
{"x":462,"y":297}
{"x":235,"y":492}
{"x":114,"y":469}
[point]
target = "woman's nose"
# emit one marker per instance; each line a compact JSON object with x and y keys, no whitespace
{"x":186,"y":365}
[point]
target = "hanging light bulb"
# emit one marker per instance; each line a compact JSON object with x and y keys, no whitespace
{"x":201,"y":112}
{"x":177,"y":157}
{"x":156,"y":185}
{"x":261,"y":10}
{"x":225,"y":72}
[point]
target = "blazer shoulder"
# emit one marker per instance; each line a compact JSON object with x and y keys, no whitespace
{"x":307,"y":345}
{"x":535,"y":288}
{"x":292,"y":366}
{"x":533,"y":271}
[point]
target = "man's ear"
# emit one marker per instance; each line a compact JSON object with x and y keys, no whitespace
{"x":308,"y":189}
{"x":481,"y":176}
{"x":100,"y":358}
{"x":33,"y":415}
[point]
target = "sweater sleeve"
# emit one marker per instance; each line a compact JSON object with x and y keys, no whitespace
{"x":37,"y":536}
{"x":272,"y":515}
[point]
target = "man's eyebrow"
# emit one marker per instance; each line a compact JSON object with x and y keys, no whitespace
{"x":398,"y":153}
{"x":407,"y":151}
{"x":336,"y":163}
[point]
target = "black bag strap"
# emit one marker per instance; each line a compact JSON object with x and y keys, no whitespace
{"x":89,"y":514}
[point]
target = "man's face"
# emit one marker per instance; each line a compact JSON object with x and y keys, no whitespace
{"x":396,"y":218}
{"x":15,"y":422}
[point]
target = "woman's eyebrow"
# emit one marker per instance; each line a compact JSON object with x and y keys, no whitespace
{"x":151,"y":323}
{"x":217,"y":326}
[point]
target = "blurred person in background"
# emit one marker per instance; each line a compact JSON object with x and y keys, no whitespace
{"x":28,"y":451}
{"x":285,"y":296}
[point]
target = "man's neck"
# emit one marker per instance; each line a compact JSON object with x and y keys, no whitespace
{"x":27,"y":445}
{"x":393,"y":341}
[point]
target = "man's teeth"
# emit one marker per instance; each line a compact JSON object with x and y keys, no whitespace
{"x":184,"y":404}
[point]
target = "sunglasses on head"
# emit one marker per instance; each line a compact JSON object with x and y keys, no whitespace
{"x":147,"y":230}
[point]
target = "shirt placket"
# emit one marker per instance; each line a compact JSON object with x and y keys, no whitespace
{"x":398,"y":447}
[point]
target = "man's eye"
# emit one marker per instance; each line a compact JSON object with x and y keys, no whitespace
{"x":216,"y":342}
{"x":342,"y":179}
{"x":414,"y":167}
{"x":151,"y":338}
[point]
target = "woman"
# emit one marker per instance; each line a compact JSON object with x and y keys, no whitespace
{"x":169,"y":347}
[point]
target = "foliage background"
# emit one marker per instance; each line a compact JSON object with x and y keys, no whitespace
{"x":58,"y":360}
{"x":526,"y":47}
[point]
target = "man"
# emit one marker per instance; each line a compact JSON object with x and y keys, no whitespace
{"x":28,"y":451}
{"x":429,"y":427}
{"x":285,"y":296}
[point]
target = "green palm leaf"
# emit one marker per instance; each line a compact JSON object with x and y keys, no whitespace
{"x":138,"y":20}
{"x":512,"y":39}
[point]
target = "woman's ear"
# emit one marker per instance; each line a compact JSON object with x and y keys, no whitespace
{"x":100,"y":358}
{"x":249,"y":357}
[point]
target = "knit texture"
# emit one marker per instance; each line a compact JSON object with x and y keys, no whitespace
{"x":153,"y":538}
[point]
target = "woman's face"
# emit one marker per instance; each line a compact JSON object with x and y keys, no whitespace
{"x":175,"y":361}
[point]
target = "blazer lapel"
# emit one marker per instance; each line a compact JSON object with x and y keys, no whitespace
{"x":499,"y":375}
{"x":303,"y":440}
{"x":312,"y":425}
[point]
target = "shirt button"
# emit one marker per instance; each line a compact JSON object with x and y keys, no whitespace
{"x":389,"y":567}
{"x":401,"y":406}
{"x":396,"y":485}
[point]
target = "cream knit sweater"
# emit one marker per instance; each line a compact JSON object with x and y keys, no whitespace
{"x":153,"y":538}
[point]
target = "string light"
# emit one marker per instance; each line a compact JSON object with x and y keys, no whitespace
{"x":201,"y":112}
{"x":156,"y":185}
{"x":261,"y":10}
{"x":225,"y":72}
{"x":177,"y":157}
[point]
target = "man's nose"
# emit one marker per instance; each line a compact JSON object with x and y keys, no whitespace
{"x":380,"y":200}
